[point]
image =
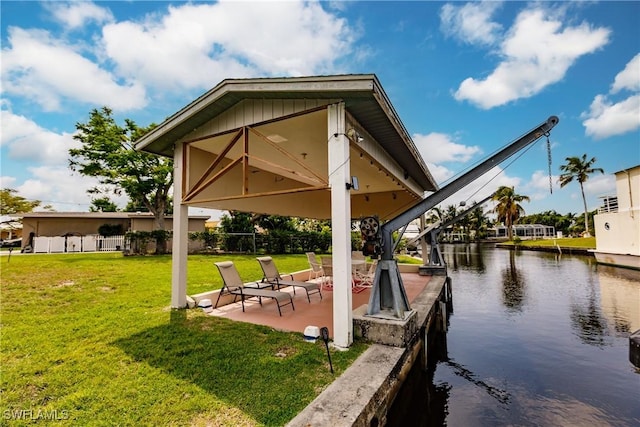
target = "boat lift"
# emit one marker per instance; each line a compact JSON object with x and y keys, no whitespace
{"x":431,"y":234}
{"x":388,"y":297}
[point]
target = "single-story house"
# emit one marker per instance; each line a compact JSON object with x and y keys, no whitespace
{"x":56,"y":224}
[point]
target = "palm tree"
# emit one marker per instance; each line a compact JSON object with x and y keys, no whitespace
{"x":435,"y":215}
{"x":508,"y":208}
{"x":479,"y":221}
{"x":579,"y":169}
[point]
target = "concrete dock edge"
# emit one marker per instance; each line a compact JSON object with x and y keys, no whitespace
{"x":361,"y":396}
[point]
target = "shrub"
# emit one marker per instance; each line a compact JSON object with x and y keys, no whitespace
{"x":107,"y":230}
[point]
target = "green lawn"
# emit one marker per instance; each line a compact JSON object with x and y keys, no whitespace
{"x":567,"y":242}
{"x":89,"y":339}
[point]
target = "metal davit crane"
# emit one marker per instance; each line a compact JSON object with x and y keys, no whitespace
{"x":388,"y":296}
{"x":432,"y":232}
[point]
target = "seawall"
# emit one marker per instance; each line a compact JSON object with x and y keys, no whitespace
{"x":363,"y":394}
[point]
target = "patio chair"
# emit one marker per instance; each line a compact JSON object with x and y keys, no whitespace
{"x":327,"y":272}
{"x":271,"y":275}
{"x":365,"y":280}
{"x":316,"y":268}
{"x":232,"y":284}
{"x":360,"y":268}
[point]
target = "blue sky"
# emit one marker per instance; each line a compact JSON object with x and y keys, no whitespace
{"x":465,"y":78}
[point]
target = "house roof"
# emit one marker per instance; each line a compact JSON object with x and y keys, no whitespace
{"x":362,"y":94}
{"x":100,"y":215}
{"x":627,"y":169}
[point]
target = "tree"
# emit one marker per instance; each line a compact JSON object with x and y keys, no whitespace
{"x":237,"y":222}
{"x":479,"y":222}
{"x":138,"y":206}
{"x":579,"y":169}
{"x":11,"y":203}
{"x":312,"y":225}
{"x":508,"y":208}
{"x":103,"y":204}
{"x":562,"y":223}
{"x":450,"y":212}
{"x":107,"y":153}
{"x":276,"y":223}
{"x":435,"y":214}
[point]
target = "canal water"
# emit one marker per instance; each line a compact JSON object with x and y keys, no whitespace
{"x":534,"y":339}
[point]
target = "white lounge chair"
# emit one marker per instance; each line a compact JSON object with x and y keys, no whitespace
{"x":233,"y":284}
{"x":272,"y":276}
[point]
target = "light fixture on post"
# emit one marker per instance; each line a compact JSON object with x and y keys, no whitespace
{"x":353,"y":135}
{"x":353,"y":184}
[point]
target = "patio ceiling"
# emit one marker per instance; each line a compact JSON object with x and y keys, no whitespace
{"x":261,"y":145}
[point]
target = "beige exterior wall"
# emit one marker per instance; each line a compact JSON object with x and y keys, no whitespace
{"x":619,"y":232}
{"x":68,"y":226}
{"x":628,"y":188}
{"x":146,"y":224}
{"x":52,"y":224}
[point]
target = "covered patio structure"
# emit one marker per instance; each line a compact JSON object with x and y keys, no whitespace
{"x":324,"y":147}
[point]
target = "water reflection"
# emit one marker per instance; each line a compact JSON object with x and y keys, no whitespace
{"x":460,"y":370}
{"x":587,"y":319}
{"x":513,"y":286}
{"x":562,"y":360}
{"x":467,"y":256}
{"x":620,"y":298}
{"x":421,"y":402}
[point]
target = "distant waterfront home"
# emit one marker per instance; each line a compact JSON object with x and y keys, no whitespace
{"x":64,"y":225}
{"x":524,"y":231}
{"x":617,"y":223}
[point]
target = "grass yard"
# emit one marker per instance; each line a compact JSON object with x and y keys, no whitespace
{"x":567,"y":242}
{"x":88,"y":339}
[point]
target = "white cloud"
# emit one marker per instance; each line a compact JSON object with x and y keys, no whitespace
{"x":26,"y":140}
{"x":471,"y":22}
{"x":599,"y":185}
{"x":537,"y":52}
{"x":191,"y":46}
{"x":59,"y":187}
{"x":440,"y":173}
{"x":197,"y":45}
{"x":47,"y":71}
{"x":53,"y":184}
{"x":76,"y":14}
{"x":439,"y":147}
{"x":538,"y":186}
{"x":596,"y":186}
{"x":629,"y":78}
{"x":606,"y":118}
{"x":483,"y":187}
{"x":7,"y":181}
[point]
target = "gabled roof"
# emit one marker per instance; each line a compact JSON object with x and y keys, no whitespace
{"x":362,"y":94}
{"x":629,"y":169}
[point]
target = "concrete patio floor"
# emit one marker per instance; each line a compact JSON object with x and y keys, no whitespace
{"x":317,"y":313}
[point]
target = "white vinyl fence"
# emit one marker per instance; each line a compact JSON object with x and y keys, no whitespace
{"x":89,"y":243}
